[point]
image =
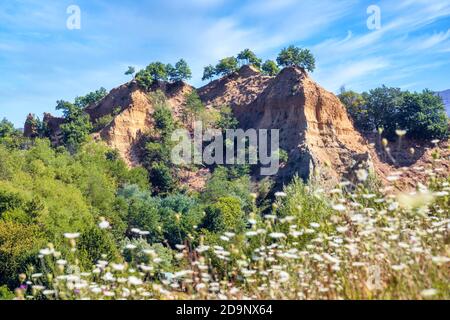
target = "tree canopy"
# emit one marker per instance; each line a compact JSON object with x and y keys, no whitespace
{"x":157,"y":71}
{"x":295,"y":56}
{"x":249,"y":57}
{"x":422,"y":114}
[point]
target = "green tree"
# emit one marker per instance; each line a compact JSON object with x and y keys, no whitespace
{"x":162,"y":178}
{"x":144,"y":79}
{"x":227,"y":66}
{"x":91,"y":98}
{"x":155,"y":71}
{"x":356,"y":107}
{"x":383,"y":105}
{"x":7,"y":129}
{"x":194,"y":106}
{"x":180,"y":214}
{"x":209,"y":72}
{"x":131,"y":71}
{"x":270,"y":68}
{"x":295,"y":56}
{"x":227,"y":120}
{"x":249,"y":57}
{"x":423,"y":115}
{"x":77,"y":125}
{"x":158,"y":71}
{"x":164,"y":120}
{"x":18,"y":245}
{"x":224,"y":215}
{"x":95,"y":243}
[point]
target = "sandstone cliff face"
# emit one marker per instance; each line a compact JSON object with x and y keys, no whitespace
{"x":314,"y":126}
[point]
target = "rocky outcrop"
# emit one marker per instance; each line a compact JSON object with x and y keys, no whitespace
{"x":135,"y":116}
{"x":314,"y":126}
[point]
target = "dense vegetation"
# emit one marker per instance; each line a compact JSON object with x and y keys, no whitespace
{"x":46,"y":193}
{"x":392,"y":111}
{"x":290,"y":56}
{"x":157,"y":71}
{"x":76,"y":222}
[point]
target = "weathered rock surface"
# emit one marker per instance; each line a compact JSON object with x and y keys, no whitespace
{"x":314,"y":126}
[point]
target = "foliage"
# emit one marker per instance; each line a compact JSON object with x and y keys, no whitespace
{"x":91,"y":98}
{"x":421,"y":115}
{"x":162,"y":115}
{"x":77,"y":125}
{"x":226,"y":66}
{"x":102,"y":122}
{"x":7,"y":129}
{"x":224,"y":215}
{"x":180,"y":72}
{"x":270,"y":68}
{"x":223,"y":183}
{"x":161,"y":177}
{"x":46,"y":192}
{"x":6,"y":294}
{"x":314,"y":244}
{"x":131,"y":71}
{"x":209,"y":72}
{"x":194,"y":109}
{"x":19,"y":242}
{"x":295,"y":56}
{"x":249,"y":57}
{"x":157,"y":71}
{"x":356,"y":107}
{"x":226,"y":119}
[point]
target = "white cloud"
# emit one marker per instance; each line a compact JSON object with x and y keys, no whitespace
{"x":350,"y":72}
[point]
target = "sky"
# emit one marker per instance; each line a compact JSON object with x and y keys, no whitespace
{"x":42,"y":60}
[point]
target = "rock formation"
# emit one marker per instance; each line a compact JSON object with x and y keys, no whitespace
{"x":314,"y":126}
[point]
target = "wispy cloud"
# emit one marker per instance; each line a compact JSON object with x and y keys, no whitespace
{"x":41,"y":61}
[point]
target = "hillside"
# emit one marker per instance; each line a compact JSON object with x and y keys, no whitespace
{"x":314,"y":126}
{"x":445,"y":95}
{"x":315,"y":129}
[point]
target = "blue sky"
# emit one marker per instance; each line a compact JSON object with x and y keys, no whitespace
{"x":42,"y":61}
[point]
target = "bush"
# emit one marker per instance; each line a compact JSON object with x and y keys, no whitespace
{"x":162,"y":178}
{"x":102,"y":122}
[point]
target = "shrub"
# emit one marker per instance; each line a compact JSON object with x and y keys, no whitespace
{"x":270,"y":68}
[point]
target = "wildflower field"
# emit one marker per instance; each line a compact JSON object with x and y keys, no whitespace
{"x":347,"y":243}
